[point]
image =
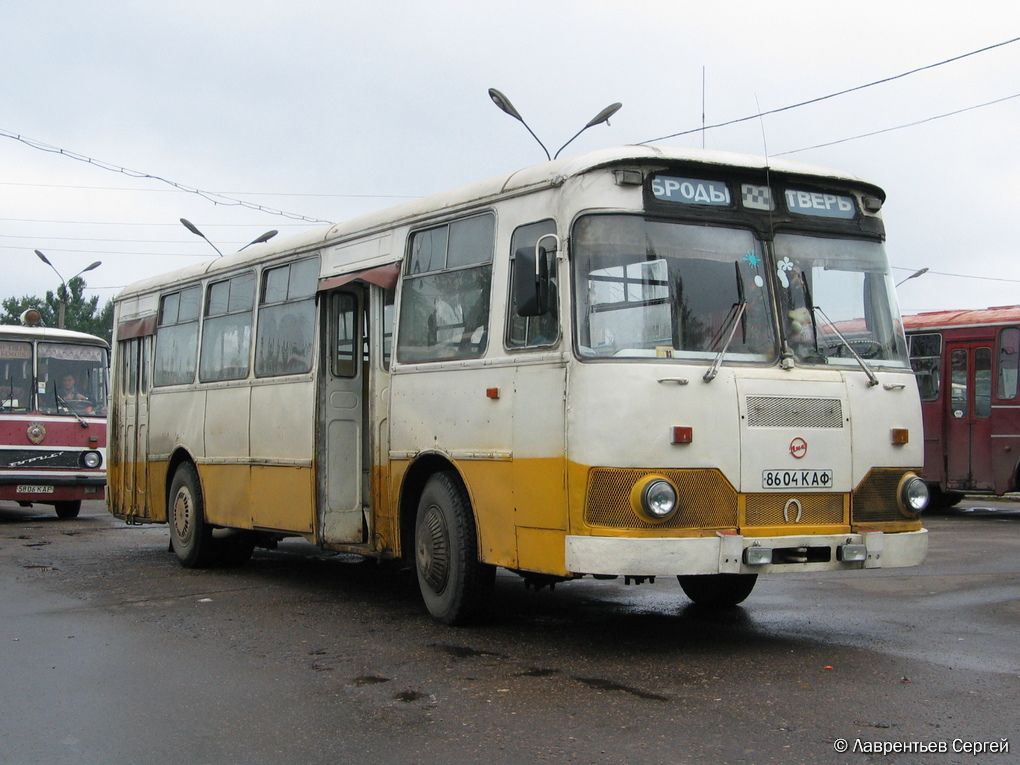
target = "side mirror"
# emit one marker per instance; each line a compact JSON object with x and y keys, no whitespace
{"x":531,"y":281}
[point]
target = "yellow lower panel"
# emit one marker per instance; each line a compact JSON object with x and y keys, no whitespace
{"x":225,"y":489}
{"x":542,"y":550}
{"x":157,"y":489}
{"x":489,"y":486}
{"x":283,"y":498}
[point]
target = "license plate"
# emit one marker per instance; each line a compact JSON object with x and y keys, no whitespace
{"x":796,"y":479}
{"x":30,"y":489}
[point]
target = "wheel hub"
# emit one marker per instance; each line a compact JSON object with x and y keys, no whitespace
{"x":183,"y":515}
{"x":433,"y":551}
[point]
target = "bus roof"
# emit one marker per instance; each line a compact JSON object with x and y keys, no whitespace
{"x":48,"y":334}
{"x":534,"y":178}
{"x":967,"y":317}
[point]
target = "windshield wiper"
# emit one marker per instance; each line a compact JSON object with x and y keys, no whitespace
{"x":872,"y":378}
{"x":736,"y":312}
{"x":60,"y":401}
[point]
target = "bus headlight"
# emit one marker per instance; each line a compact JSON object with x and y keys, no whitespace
{"x":91,"y":459}
{"x":654,"y":497}
{"x":913,"y":494}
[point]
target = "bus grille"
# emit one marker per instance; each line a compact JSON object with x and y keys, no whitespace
{"x":815,"y":510}
{"x":707,"y":501}
{"x":875,"y":497}
{"x":784,"y":412}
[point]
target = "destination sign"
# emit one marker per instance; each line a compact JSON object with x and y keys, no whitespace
{"x":690,"y":191}
{"x":820,"y":205}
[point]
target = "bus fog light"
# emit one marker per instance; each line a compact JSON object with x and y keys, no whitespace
{"x":758,"y":556}
{"x":853,"y":553}
{"x":91,"y":459}
{"x":914,"y":494}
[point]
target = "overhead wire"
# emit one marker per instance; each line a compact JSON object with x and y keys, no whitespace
{"x":180,"y":191}
{"x":827,"y":96}
{"x":210,"y":196}
{"x":960,"y":276}
{"x":896,"y":127}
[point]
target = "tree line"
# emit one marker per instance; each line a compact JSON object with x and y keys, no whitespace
{"x":81,"y":314}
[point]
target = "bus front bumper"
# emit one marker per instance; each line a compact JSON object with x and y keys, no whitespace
{"x":728,"y":553}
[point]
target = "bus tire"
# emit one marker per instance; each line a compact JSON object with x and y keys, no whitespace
{"x":454,"y":584}
{"x":718,"y":590}
{"x":190,"y":536}
{"x":68,"y":510}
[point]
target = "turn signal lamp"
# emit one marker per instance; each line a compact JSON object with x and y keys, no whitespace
{"x":900,"y":436}
{"x":682,"y":435}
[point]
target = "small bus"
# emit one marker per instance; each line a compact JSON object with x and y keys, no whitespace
{"x":966,"y":365}
{"x":633,"y":363}
{"x":53,"y":396}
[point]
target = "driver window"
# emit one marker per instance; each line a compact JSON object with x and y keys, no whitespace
{"x":534,"y":331}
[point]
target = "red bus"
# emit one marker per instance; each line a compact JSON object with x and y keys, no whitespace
{"x":53,"y":398}
{"x":966,"y":368}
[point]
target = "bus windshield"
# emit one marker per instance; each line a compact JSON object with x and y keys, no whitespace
{"x":650,"y":288}
{"x":72,"y":378}
{"x":848,"y":283}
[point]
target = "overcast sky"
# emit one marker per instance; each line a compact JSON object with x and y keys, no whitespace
{"x":331,"y":109}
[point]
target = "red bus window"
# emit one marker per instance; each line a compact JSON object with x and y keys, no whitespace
{"x":1009,"y":344}
{"x":982,"y":382}
{"x":959,"y":383}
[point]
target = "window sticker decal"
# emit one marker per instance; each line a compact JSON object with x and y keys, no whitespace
{"x":782,"y":268}
{"x":754,"y":261}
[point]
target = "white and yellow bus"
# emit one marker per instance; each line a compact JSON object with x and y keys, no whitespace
{"x":631,"y":363}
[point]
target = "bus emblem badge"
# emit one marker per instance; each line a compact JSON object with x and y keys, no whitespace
{"x":36,"y":432}
{"x":792,"y":504}
{"x":798,"y":448}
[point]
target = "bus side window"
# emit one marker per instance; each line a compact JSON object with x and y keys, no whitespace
{"x":926,"y":361}
{"x":283,"y":342}
{"x":533,"y":331}
{"x":177,"y":338}
{"x":444,"y":303}
{"x":1009,"y":345}
{"x":129,"y":352}
{"x":226,"y":331}
{"x":387,"y":338}
{"x":982,"y":382}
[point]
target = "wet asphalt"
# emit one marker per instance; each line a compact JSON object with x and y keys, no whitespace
{"x":112,"y":653}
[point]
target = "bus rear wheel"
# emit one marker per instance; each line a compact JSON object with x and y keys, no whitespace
{"x":190,"y":536}
{"x":718,"y":590}
{"x":67,"y":510}
{"x":453,"y":582}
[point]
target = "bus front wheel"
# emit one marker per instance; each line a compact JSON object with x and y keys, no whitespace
{"x":453,"y":582}
{"x":190,"y":536}
{"x":68,"y":510}
{"x":718,"y":590}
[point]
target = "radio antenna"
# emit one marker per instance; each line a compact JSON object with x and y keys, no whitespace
{"x":703,"y":106}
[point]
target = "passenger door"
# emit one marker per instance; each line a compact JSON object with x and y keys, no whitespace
{"x":968,"y":424}
{"x":341,"y":436}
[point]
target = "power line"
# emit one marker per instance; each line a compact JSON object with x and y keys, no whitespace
{"x":180,"y":191}
{"x":210,"y":196}
{"x":834,"y":95}
{"x":897,"y":127}
{"x":114,"y":252}
{"x":136,"y":223}
{"x":38,"y":237}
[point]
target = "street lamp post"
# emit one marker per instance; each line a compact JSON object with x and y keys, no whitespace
{"x":500,"y":100}
{"x":62,"y":293}
{"x":917,"y":273}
